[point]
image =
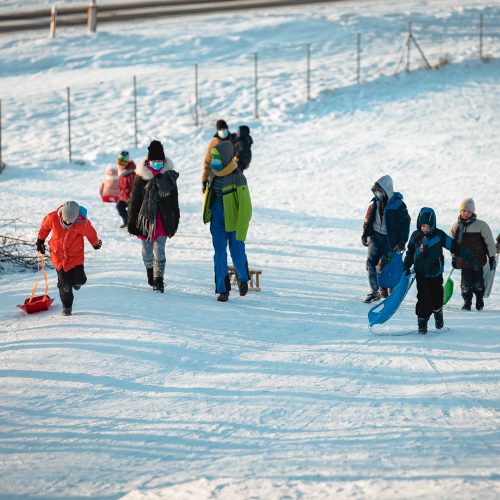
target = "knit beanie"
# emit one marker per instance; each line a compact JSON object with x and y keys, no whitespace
{"x":155,"y":151}
{"x":468,"y":204}
{"x":221,"y":125}
{"x":123,"y":159}
{"x":70,"y":211}
{"x":226,"y":151}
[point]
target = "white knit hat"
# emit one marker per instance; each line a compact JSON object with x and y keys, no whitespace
{"x":468,"y":204}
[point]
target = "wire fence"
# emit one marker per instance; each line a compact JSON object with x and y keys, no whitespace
{"x":257,"y":85}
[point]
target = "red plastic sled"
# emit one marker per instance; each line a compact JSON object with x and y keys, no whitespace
{"x":40,"y":302}
{"x":36,"y":304}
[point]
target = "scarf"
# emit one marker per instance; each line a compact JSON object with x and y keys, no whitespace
{"x":462,"y":224}
{"x":156,"y":188}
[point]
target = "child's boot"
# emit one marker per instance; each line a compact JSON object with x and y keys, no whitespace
{"x":438,"y":318}
{"x":372,"y":297}
{"x":422,"y":325}
{"x":223,"y":297}
{"x":384,"y":292}
{"x":243,"y":287}
{"x":467,"y":301}
{"x":66,"y":311}
{"x":479,"y":301}
{"x":159,"y":286}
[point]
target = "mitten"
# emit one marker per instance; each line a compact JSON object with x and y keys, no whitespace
{"x":364,"y":240}
{"x":492,"y":262}
{"x":99,"y":245}
{"x":204,"y":186}
{"x":40,"y":245}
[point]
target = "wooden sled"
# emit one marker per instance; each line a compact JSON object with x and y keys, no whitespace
{"x":253,"y":284}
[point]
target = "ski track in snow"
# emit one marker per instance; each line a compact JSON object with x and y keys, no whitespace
{"x":283,"y":393}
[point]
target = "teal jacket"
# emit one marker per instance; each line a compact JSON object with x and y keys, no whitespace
{"x":236,"y":202}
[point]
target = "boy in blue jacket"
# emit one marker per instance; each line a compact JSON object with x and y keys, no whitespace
{"x":425,"y":253}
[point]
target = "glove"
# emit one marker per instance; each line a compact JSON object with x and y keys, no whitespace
{"x":204,"y":186}
{"x":453,"y":262}
{"x":99,"y":245}
{"x":492,"y":263}
{"x":364,"y":240}
{"x":476,"y":265}
{"x":40,"y":245}
{"x":400,"y":247}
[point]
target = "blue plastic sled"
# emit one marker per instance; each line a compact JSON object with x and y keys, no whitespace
{"x":391,"y":272}
{"x":384,"y":310}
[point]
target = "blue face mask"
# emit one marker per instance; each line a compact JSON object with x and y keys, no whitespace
{"x":223,"y":133}
{"x":155,"y":165}
{"x":216,"y":164}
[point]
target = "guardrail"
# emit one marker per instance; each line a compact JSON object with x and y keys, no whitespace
{"x":94,"y":14}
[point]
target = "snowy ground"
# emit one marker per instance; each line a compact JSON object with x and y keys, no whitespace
{"x":283,"y":393}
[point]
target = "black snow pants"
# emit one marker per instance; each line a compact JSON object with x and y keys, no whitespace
{"x":472,"y":282}
{"x":67,"y":280}
{"x":429,"y":295}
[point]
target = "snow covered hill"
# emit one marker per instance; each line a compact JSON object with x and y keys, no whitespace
{"x":283,"y":393}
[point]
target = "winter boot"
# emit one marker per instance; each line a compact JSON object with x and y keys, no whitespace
{"x":243,"y":287}
{"x":438,"y":318}
{"x":66,"y":311}
{"x":479,"y":302}
{"x":422,"y":325}
{"x":372,"y":297}
{"x":384,"y":293}
{"x":151,"y":280}
{"x":467,"y":305}
{"x":159,"y":286}
{"x":223,"y":297}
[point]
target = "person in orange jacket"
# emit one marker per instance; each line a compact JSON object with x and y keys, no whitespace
{"x":69,"y":224}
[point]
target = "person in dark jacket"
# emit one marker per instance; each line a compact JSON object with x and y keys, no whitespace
{"x":476,"y":236}
{"x":425,"y":253}
{"x":243,"y":146}
{"x":385,"y":231}
{"x":154,"y":210}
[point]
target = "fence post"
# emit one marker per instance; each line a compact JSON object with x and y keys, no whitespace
{"x":308,"y":77}
{"x":92,"y":17}
{"x":196,"y":103}
{"x":256,"y":82}
{"x":1,"y":163}
{"x":53,"y":19}
{"x":481,"y":20}
{"x":408,"y":47}
{"x":69,"y":122}
{"x":135,"y":110}
{"x":358,"y":59}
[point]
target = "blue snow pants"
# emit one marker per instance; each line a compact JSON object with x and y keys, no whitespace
{"x":378,"y":247}
{"x":220,"y":239}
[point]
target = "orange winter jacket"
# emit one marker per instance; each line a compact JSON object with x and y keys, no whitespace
{"x":66,"y":245}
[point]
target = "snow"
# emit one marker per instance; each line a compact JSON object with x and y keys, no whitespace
{"x":283,"y":393}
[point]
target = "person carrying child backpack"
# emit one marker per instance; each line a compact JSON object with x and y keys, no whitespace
{"x":228,"y":208}
{"x":243,"y":147}
{"x":154,"y":211}
{"x":476,"y":236}
{"x":126,"y":181}
{"x":221,"y":134}
{"x":425,"y":253}
{"x":69,"y":225}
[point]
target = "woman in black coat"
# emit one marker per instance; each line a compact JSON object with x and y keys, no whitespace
{"x":154,"y":210}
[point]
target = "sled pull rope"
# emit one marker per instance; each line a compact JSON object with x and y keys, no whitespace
{"x":41,"y":261}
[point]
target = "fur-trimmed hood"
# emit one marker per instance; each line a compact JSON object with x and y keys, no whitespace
{"x":144,"y":173}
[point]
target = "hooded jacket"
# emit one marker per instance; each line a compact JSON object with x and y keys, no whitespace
{"x":393,"y":213}
{"x":168,"y":206}
{"x":235,"y":198}
{"x":425,"y":251}
{"x":476,"y":236}
{"x":244,"y":143}
{"x":126,"y":179}
{"x":67,"y":245}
